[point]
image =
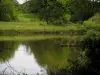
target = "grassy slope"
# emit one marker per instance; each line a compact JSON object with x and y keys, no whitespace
{"x":32,"y":23}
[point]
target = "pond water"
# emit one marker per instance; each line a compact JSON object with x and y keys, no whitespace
{"x":43,"y":57}
{"x":21,"y":62}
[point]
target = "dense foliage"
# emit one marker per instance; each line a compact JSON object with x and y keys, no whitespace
{"x":54,"y":11}
{"x":7,"y":11}
{"x":83,"y":9}
{"x":50,"y":10}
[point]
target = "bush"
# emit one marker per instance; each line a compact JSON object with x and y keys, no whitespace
{"x":91,"y":34}
{"x":95,"y":19}
{"x":7,"y":12}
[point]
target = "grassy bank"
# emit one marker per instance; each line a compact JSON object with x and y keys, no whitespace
{"x":30,"y":25}
{"x":38,"y":37}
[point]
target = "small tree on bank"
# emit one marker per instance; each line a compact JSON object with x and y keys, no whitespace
{"x":7,"y":11}
{"x":53,"y":11}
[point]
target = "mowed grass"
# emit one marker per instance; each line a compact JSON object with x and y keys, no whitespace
{"x":39,"y":37}
{"x":39,"y":27}
{"x":32,"y":22}
{"x":28,"y":26}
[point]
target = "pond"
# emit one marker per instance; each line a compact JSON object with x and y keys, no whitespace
{"x":34,"y":57}
{"x":41,"y":57}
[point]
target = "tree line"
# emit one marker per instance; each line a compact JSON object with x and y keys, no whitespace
{"x":7,"y":11}
{"x":53,"y":11}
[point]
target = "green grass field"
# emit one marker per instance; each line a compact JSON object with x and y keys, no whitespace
{"x":28,"y":24}
{"x":32,"y":22}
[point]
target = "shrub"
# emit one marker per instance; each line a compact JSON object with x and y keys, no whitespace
{"x":7,"y":11}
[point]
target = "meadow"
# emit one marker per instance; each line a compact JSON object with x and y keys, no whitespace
{"x":32,"y":28}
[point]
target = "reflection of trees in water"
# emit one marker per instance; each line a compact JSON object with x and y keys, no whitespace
{"x":60,"y":60}
{"x":92,"y":52}
{"x":49,"y":53}
{"x":66,"y":60}
{"x":7,"y":50}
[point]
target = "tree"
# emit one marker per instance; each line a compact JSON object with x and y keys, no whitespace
{"x":53,"y":11}
{"x":83,"y":9}
{"x":7,"y":11}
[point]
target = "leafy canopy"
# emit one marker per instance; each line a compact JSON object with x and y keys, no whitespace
{"x":7,"y":11}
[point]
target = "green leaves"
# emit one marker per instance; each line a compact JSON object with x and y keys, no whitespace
{"x":53,"y":11}
{"x":7,"y":11}
{"x":83,"y":9}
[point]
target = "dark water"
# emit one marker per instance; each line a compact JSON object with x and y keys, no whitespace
{"x":16,"y":58}
{"x":45,"y":57}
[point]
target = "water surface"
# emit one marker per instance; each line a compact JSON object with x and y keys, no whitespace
{"x":35,"y":57}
